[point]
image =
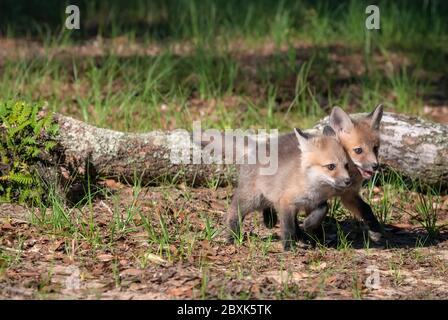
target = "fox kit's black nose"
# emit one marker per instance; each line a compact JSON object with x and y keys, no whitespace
{"x":375,"y":166}
{"x":347,"y":181}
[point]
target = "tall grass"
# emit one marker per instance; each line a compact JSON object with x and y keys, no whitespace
{"x":143,"y":93}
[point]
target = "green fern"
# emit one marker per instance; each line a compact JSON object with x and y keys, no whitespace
{"x":20,"y":178}
{"x":24,"y":138}
{"x":49,"y":145}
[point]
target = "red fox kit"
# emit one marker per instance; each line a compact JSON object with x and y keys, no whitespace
{"x":361,"y":140}
{"x":311,"y":170}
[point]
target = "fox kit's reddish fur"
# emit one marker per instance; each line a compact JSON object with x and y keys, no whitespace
{"x":361,"y":140}
{"x":311,"y":170}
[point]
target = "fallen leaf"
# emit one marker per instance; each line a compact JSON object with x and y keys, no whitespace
{"x":181,"y":291}
{"x":57,"y":245}
{"x":112,"y":184}
{"x":105,"y":257}
{"x":284,"y":276}
{"x":6,"y":226}
{"x":156,"y":259}
{"x":319,"y":267}
{"x":402,"y":225}
{"x":124,"y":262}
{"x":131,"y":272}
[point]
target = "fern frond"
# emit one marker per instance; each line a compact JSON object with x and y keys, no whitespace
{"x":21,"y":142}
{"x":49,"y":145}
{"x":23,"y":179}
{"x":29,"y":141}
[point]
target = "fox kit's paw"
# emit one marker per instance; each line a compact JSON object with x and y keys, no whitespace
{"x":305,"y":245}
{"x":375,"y":236}
{"x":289,"y":245}
{"x":230,"y":237}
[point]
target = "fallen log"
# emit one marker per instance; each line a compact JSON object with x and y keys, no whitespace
{"x":414,"y":147}
{"x":146,"y":157}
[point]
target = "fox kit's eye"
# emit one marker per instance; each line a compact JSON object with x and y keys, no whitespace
{"x":331,"y":166}
{"x":358,"y":150}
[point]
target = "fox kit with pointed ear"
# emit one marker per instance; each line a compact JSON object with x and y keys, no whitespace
{"x":361,"y":140}
{"x":311,"y":170}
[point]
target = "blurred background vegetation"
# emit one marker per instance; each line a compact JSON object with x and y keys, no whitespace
{"x":404,"y":23}
{"x":140,"y":65}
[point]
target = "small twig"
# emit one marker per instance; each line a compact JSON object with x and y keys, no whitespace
{"x":10,"y":249}
{"x":102,"y":203}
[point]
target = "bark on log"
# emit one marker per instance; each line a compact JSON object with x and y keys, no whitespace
{"x":131,"y":156}
{"x":414,"y":147}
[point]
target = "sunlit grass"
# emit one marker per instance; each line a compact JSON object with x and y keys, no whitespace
{"x":230,"y":64}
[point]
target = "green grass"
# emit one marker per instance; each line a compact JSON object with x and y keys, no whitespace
{"x":231,"y":64}
{"x":427,"y":209}
{"x":10,"y":256}
{"x":136,"y":93}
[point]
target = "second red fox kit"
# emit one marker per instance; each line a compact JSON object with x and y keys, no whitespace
{"x":361,"y":141}
{"x":311,"y":170}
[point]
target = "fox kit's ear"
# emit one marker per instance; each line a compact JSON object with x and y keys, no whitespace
{"x":375,"y":116}
{"x":328,"y":131}
{"x":340,"y":121}
{"x":302,"y":138}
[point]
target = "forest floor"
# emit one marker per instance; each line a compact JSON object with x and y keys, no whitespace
{"x":168,"y":243}
{"x":128,"y":241}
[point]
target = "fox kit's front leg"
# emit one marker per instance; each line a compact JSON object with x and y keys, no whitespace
{"x":361,"y":209}
{"x":315,"y":217}
{"x":288,"y":225}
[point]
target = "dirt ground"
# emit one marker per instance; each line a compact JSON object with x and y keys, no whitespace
{"x":127,"y":264}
